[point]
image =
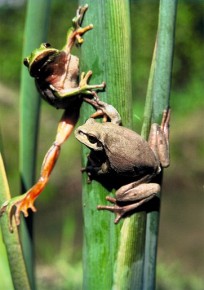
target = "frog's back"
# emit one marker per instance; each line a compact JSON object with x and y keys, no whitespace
{"x":129,"y":153}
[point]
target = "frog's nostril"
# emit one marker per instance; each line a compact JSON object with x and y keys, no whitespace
{"x":81,"y":133}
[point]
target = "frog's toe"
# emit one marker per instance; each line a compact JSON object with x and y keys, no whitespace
{"x":9,"y":208}
{"x":4,"y":207}
{"x":118,"y":210}
{"x":23,"y":205}
{"x":14,"y":207}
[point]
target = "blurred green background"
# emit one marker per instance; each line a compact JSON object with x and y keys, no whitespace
{"x":58,"y":222}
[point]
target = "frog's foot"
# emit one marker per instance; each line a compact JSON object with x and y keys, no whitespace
{"x":165,"y":122}
{"x":120,"y":211}
{"x":15,"y":206}
{"x":89,"y":175}
{"x":104,"y":110}
{"x":77,"y":21}
{"x":83,"y":84}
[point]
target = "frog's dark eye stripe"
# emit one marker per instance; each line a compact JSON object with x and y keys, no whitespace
{"x":94,"y":140}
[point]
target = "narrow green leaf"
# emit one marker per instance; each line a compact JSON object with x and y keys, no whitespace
{"x":106,"y":51}
{"x":35,"y":33}
{"x":157,"y":101}
{"x":11,"y":240}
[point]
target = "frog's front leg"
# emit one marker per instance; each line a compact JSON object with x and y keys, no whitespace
{"x":131,"y":193}
{"x":83,"y":88}
{"x":105,"y":110}
{"x":23,"y":202}
{"x":75,"y":33}
{"x":159,"y":139}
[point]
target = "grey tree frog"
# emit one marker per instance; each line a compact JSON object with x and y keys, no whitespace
{"x":121,"y":152}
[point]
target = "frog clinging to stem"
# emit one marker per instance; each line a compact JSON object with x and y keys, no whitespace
{"x":121,"y":152}
{"x":56,"y":73}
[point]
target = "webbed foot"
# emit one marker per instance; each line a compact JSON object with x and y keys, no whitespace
{"x":118,"y":210}
{"x":104,"y":110}
{"x":85,"y":88}
{"x":15,"y":206}
{"x":77,"y":21}
{"x":121,"y":211}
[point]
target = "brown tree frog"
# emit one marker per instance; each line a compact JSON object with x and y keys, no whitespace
{"x":121,"y":152}
{"x":56,"y":73}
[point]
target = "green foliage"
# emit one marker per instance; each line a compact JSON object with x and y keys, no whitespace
{"x":187,"y":98}
{"x":18,"y":271}
{"x":188,"y":53}
{"x":172,"y":277}
{"x":12,"y":23}
{"x":188,"y":58}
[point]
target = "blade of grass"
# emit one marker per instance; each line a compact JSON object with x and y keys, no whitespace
{"x":157,"y":101}
{"x":106,"y":51}
{"x":35,"y":33}
{"x":12,"y":243}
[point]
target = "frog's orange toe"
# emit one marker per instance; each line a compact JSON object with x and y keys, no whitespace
{"x":14,"y":207}
{"x":23,"y":206}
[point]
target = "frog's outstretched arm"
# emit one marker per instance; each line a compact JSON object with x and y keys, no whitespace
{"x":23,"y":202}
{"x":75,"y":33}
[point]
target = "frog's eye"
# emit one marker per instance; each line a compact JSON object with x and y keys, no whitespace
{"x":46,"y":45}
{"x":92,"y":139}
{"x":26,"y":62}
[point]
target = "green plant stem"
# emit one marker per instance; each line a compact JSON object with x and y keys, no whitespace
{"x":35,"y":33}
{"x":157,"y":101}
{"x":106,"y":51}
{"x":12,"y":243}
{"x":129,"y":264}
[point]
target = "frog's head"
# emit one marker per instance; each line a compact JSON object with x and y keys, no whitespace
{"x":40,"y":58}
{"x":89,"y":135}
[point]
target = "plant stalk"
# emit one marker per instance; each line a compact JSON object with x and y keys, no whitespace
{"x":36,"y":27}
{"x":11,"y":240}
{"x":106,"y":51}
{"x":157,"y":100}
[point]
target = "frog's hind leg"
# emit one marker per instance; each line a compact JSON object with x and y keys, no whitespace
{"x":159,"y":139}
{"x":22,"y":203}
{"x":120,"y":211}
{"x":165,"y":123}
{"x":134,"y":196}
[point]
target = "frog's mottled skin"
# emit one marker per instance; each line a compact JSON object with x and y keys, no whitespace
{"x":119,"y":151}
{"x":126,"y":152}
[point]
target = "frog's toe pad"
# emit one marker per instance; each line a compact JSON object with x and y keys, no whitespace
{"x":14,"y":207}
{"x":118,"y":210}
